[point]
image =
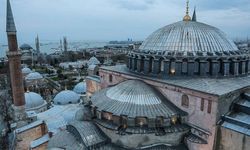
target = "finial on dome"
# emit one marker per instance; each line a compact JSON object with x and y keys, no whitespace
{"x":187,"y":17}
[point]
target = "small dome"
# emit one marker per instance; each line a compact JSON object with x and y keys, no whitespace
{"x":93,"y":61}
{"x":80,"y":88}
{"x":26,"y":70}
{"x":33,"y":100}
{"x":34,"y":76}
{"x":66,"y":97}
{"x":25,"y":47}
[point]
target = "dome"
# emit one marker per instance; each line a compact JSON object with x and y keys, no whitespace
{"x":26,"y":70}
{"x":93,"y":61}
{"x":34,"y":76}
{"x":134,"y":98}
{"x":33,"y":100}
{"x":25,"y":47}
{"x":80,"y":88}
{"x":187,"y":36}
{"x":66,"y":97}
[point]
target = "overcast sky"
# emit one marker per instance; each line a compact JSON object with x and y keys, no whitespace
{"x":118,"y":19}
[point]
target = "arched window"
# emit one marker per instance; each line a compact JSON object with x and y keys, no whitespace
{"x":185,"y":101}
{"x":110,"y":78}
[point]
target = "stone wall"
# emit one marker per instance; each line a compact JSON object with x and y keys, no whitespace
{"x":202,"y":118}
{"x":231,"y":140}
{"x":41,"y":147}
{"x":140,"y":140}
{"x":26,"y":137}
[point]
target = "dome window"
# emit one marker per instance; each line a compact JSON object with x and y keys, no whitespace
{"x":185,"y":101}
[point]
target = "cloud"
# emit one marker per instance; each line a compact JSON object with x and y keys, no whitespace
{"x":118,"y":19}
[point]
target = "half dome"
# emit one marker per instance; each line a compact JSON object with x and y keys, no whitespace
{"x":187,"y":36}
{"x":134,"y":98}
{"x":66,"y":97}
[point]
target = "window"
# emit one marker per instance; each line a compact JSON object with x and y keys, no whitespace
{"x":110,"y":78}
{"x":202,"y":104}
{"x":209,"y":108}
{"x":185,"y":101}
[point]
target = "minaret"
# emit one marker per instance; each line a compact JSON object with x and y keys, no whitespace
{"x":37,"y":45}
{"x":187,"y":17}
{"x":194,"y":15}
{"x":65,"y":44}
{"x":14,"y":56}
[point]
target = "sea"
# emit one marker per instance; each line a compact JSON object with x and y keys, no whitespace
{"x":49,"y":47}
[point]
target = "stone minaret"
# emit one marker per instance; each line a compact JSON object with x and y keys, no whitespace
{"x":37,"y":45}
{"x":14,"y":56}
{"x":65,"y":44}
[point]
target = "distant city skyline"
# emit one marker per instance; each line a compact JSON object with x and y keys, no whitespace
{"x":106,"y":20}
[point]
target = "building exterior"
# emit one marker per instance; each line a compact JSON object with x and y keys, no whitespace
{"x":186,"y":87}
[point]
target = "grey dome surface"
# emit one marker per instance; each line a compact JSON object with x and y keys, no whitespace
{"x":34,"y":76}
{"x":66,"y":97}
{"x":187,"y":36}
{"x":33,"y":100}
{"x":80,"y":88}
{"x":26,"y":70}
{"x":25,"y":47}
{"x":134,"y":98}
{"x":93,"y":61}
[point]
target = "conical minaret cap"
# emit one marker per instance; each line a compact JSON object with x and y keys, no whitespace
{"x":10,"y":23}
{"x":194,"y":18}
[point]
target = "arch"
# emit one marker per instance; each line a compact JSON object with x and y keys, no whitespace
{"x":185,"y":101}
{"x":151,"y":59}
{"x":197,"y":66}
{"x":184,"y":66}
{"x":209,"y":66}
{"x":172,"y":66}
{"x":141,"y":121}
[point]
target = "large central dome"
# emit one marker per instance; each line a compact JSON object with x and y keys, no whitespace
{"x":187,"y":36}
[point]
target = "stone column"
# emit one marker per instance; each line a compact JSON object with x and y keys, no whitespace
{"x":134,"y":63}
{"x":130,"y":62}
{"x":235,"y":67}
{"x":248,"y":66}
{"x":203,"y":67}
{"x":190,"y":67}
{"x":156,"y":68}
{"x":139,"y":64}
{"x":243,"y":67}
{"x":215,"y":68}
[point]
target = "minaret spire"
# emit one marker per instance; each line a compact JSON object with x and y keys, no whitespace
{"x":187,"y":17}
{"x":194,"y":15}
{"x":37,"y":44}
{"x":10,"y":23}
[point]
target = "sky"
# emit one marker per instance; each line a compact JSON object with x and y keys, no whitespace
{"x":104,"y":20}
